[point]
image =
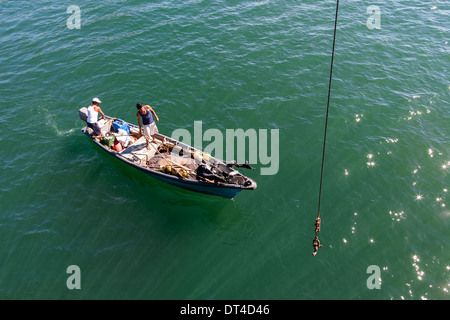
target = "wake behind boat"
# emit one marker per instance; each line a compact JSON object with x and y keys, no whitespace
{"x":169,"y":160}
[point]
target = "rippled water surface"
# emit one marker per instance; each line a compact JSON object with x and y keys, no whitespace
{"x":230,"y":64}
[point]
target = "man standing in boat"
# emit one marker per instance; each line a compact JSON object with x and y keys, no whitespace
{"x":93,"y":111}
{"x":148,"y":118}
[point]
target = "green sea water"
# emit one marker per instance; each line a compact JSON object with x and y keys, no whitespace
{"x":230,"y":64}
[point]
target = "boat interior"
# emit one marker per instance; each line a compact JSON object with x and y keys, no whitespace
{"x":165,"y":155}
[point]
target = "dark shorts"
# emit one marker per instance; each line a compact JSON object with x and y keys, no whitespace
{"x":95,"y":127}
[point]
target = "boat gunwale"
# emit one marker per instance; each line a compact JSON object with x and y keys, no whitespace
{"x":181,"y":181}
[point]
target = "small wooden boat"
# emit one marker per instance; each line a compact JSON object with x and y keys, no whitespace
{"x":170,"y":160}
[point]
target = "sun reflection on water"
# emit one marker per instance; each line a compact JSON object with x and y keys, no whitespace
{"x":397,"y":216}
{"x":370,"y":163}
{"x":416,"y":266}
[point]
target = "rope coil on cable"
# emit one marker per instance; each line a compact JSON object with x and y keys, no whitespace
{"x":316,"y":241}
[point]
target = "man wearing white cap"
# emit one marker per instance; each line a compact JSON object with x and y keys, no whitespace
{"x":93,"y":111}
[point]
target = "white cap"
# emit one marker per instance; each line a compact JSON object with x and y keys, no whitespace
{"x":96,"y":100}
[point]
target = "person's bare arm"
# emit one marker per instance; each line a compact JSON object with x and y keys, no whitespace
{"x":101,"y":112}
{"x":139,"y":121}
{"x":153,"y":112}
